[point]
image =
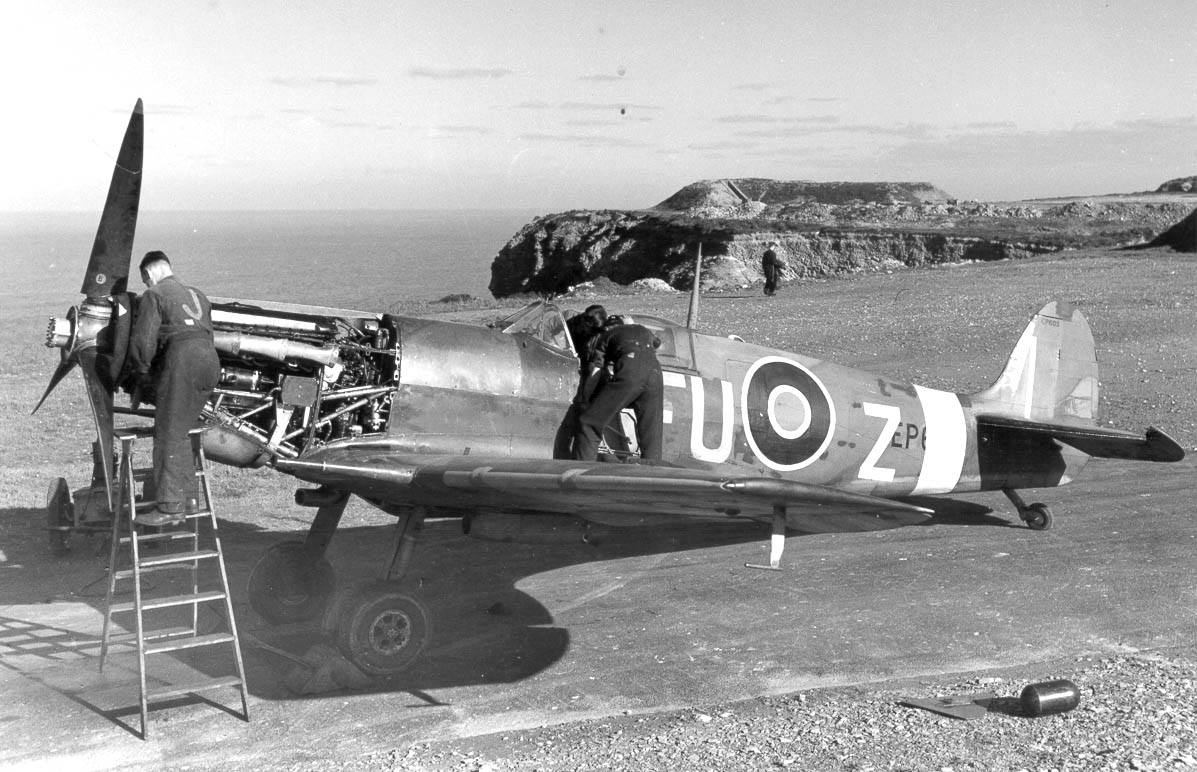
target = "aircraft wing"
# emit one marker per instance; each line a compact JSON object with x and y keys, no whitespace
{"x":1154,"y":445}
{"x":617,"y":494}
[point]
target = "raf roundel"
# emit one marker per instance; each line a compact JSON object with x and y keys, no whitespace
{"x":789,"y":418}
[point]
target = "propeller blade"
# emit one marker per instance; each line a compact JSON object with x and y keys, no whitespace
{"x":65,"y":366}
{"x":101,"y":409}
{"x":112,"y":251}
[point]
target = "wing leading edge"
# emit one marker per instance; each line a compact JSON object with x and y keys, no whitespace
{"x":601,"y":492}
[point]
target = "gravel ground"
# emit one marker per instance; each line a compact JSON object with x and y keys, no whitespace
{"x":950,"y":327}
{"x":1137,"y":709}
{"x":1136,"y":712}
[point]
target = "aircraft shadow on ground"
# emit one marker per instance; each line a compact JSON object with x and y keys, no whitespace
{"x":957,"y":512}
{"x":485,"y":630}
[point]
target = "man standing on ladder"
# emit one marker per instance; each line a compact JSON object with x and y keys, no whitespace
{"x":175,"y":362}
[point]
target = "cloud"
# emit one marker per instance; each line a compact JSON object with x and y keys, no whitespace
{"x":992,"y":161}
{"x":720,"y":146}
{"x":581,"y":140}
{"x":462,"y":131}
{"x":584,"y":107}
{"x":317,"y":81}
{"x":774,"y":120}
{"x":460,"y":73}
{"x":598,"y":123}
{"x":991,"y":125}
{"x":748,"y":119}
{"x":816,"y":125}
{"x":1120,"y":144}
{"x":811,"y":154}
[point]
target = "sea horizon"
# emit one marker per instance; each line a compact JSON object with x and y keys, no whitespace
{"x":356,"y":258}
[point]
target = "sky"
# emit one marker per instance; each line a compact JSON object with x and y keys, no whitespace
{"x":352,"y":104}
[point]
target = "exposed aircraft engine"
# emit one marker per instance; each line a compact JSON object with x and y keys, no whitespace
{"x":293,"y":380}
{"x":280,"y":350}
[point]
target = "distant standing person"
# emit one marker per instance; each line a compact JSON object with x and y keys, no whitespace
{"x":771,"y":265}
{"x":635,"y":381}
{"x":172,"y":352}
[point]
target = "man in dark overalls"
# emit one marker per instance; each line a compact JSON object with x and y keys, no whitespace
{"x":172,"y":353}
{"x":635,"y":380}
{"x":584,"y":329}
{"x":771,"y":265}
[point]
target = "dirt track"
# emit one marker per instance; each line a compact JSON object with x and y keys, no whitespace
{"x":528,"y":636}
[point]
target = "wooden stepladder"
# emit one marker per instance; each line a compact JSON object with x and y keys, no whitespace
{"x":191,"y":549}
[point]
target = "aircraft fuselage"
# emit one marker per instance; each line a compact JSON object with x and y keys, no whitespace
{"x":729,"y":406}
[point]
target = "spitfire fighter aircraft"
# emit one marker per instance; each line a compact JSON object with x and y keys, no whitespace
{"x":433,"y":419}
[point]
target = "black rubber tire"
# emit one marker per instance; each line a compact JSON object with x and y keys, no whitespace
{"x":382,"y":630}
{"x":60,"y":517}
{"x":1038,"y":517}
{"x":286,"y":585}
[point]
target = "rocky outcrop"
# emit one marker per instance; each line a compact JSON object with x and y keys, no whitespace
{"x":556,"y":252}
{"x":1182,"y":237}
{"x":1178,"y":185}
{"x":874,"y":226}
{"x":787,"y":193}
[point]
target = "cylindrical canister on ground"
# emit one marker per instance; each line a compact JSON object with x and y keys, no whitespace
{"x":1050,"y":697}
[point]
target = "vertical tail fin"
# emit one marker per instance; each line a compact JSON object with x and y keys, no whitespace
{"x":1052,"y":373}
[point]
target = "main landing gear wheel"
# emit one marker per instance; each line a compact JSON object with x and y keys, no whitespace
{"x":1037,"y":517}
{"x":60,"y":516}
{"x":381,"y":630}
{"x":288,"y":585}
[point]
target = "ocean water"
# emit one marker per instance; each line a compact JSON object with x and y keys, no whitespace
{"x":364,"y":260}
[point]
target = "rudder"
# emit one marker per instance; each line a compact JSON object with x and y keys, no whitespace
{"x":1051,"y":375}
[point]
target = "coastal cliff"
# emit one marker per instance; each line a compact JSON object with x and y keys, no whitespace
{"x":823,"y":229}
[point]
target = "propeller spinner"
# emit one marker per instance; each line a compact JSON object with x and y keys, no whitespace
{"x":90,"y":336}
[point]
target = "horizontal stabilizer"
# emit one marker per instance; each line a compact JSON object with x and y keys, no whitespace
{"x":1096,"y":441}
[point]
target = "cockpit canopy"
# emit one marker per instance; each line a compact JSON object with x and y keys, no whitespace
{"x":545,"y":321}
{"x":541,"y":320}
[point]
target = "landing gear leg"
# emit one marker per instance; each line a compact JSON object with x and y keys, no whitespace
{"x":407,"y":530}
{"x":378,"y":627}
{"x":1037,"y":516}
{"x":777,"y":543}
{"x":293,"y":581}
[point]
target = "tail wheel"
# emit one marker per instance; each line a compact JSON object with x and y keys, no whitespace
{"x":288,"y":584}
{"x":382,"y":630}
{"x":1038,"y":517}
{"x":60,"y":516}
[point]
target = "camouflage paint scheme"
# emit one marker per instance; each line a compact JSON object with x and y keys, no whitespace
{"x":473,"y":422}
